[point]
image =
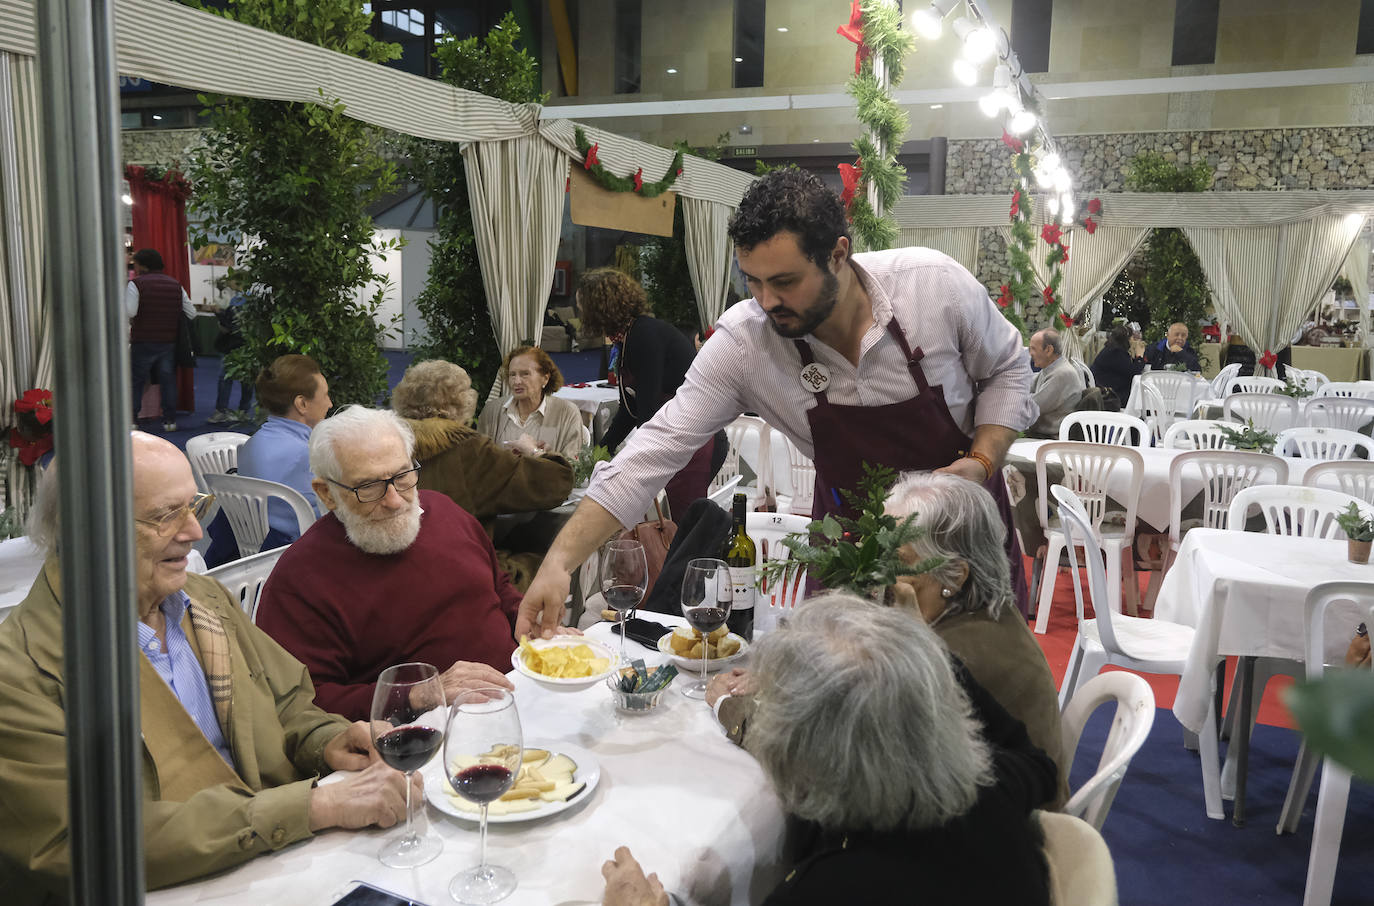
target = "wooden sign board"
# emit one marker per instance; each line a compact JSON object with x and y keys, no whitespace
{"x":594,"y":206}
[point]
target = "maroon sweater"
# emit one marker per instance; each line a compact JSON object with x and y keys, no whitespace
{"x":348,"y":615}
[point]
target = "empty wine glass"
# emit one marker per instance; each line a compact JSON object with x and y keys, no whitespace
{"x":408,"y":716}
{"x":624,"y":580}
{"x":707,"y":592}
{"x":482,"y":756}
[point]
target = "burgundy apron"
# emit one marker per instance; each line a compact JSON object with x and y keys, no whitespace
{"x":915,"y":434}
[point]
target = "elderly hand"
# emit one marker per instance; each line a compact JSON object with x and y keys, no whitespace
{"x":541,"y":610}
{"x":903,"y":596}
{"x":465,"y":676}
{"x":626,"y":884}
{"x":737,"y":682}
{"x":1137,"y":349}
{"x":375,"y":796}
{"x":527,"y":445}
{"x":971,"y":469}
{"x":1178,"y":348}
{"x":352,"y":749}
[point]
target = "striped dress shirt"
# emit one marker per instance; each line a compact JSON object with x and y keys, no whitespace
{"x":182,"y":672}
{"x":971,"y":351}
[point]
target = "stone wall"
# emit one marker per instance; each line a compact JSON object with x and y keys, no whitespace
{"x":164,"y":147}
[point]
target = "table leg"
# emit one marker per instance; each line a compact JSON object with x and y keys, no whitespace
{"x":1240,"y":735}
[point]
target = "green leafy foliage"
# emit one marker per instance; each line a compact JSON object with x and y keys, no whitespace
{"x":1171,"y":277}
{"x":1336,"y":714}
{"x":855,"y":555}
{"x":1295,"y":390}
{"x":1248,"y":437}
{"x":1356,"y":525}
{"x":453,"y":302}
{"x":295,"y":180}
{"x":586,"y":461}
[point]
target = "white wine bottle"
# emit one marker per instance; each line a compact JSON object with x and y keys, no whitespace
{"x":741,"y":557}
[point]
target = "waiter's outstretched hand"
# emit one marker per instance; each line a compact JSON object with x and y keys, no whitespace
{"x":971,"y":469}
{"x":541,"y":610}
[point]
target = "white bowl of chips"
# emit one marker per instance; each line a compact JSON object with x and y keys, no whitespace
{"x":566,"y":662}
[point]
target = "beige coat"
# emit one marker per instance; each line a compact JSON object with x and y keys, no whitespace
{"x":198,"y":817}
{"x":558,"y":427}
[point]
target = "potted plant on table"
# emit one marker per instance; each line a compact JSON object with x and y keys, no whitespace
{"x":1359,"y":529}
{"x":1248,"y":437}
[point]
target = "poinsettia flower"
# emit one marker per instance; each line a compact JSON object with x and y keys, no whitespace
{"x":1006,"y":298}
{"x":1063,"y":254}
{"x":1067,"y":321}
{"x":1051,"y":233}
{"x":850,"y":174}
{"x":639,"y":179}
{"x":30,"y":451}
{"x":1016,"y":203}
{"x":591,"y":160}
{"x":1095,"y":206}
{"x":1012,"y":142}
{"x":37,"y":401}
{"x":1090,"y":225}
{"x":1048,"y":294}
{"x":1268,"y":359}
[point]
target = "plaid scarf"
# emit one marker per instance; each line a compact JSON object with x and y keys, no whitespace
{"x":214,"y":648}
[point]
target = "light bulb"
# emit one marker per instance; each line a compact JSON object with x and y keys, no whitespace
{"x":926,"y":23}
{"x":1001,"y":77}
{"x":965,"y":71}
{"x":1068,"y":209}
{"x":1052,"y":205}
{"x":1022,"y":121}
{"x":990,"y":103}
{"x":127,"y":198}
{"x":1062,"y":180}
{"x":1050,"y":162}
{"x":1044,"y":177}
{"x":980,"y":44}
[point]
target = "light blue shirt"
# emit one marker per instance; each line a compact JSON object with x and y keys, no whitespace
{"x":182,"y":672}
{"x":280,"y":452}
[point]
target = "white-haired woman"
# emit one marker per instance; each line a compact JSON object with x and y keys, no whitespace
{"x":905,"y":774}
{"x":967,"y":600}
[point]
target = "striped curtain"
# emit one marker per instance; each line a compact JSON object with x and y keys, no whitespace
{"x":1267,"y":280}
{"x":25,"y":319}
{"x":959,"y":243}
{"x":1094,"y":262}
{"x":1356,"y":270}
{"x":708,"y":255}
{"x":516,"y":189}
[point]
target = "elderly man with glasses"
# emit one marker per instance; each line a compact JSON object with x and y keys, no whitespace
{"x":232,"y":743}
{"x":391,"y":574}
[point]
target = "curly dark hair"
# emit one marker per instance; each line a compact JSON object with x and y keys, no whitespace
{"x":544,"y":361}
{"x":796,"y":201}
{"x":1120,"y":337}
{"x":610,"y":300}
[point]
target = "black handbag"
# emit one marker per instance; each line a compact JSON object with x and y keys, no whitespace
{"x":185,"y":352}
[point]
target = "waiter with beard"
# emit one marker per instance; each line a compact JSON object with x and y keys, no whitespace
{"x":896,"y":358}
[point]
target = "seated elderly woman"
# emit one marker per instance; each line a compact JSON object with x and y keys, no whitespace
{"x":480,"y":475}
{"x":532,"y":413}
{"x":904,"y":773}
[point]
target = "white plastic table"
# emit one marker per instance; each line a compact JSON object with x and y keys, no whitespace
{"x":690,"y":805}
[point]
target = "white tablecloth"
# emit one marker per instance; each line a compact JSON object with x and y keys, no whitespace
{"x":1153,"y":508}
{"x":589,"y":398}
{"x":1244,"y":592}
{"x":20,"y":562}
{"x":691,"y":806}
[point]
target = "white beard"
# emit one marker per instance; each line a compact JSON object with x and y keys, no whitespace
{"x":389,"y":536}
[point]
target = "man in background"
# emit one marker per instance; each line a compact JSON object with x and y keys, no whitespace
{"x":1058,"y":386}
{"x":1173,"y":350}
{"x":155,"y":304}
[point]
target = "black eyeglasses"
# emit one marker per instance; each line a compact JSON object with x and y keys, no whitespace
{"x":372,"y":491}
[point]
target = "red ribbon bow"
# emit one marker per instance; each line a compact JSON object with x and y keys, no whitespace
{"x":1268,"y":359}
{"x":1068,"y":322}
{"x":854,"y":31}
{"x":591,"y":160}
{"x":1005,"y":299}
{"x":1090,"y":225}
{"x":639,"y":179}
{"x":1048,"y":293}
{"x":1012,"y":142}
{"x":850,"y":174}
{"x":1051,"y":233}
{"x":1016,"y":203}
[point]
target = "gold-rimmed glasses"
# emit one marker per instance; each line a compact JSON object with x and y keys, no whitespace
{"x":372,"y":491}
{"x":171,"y":520}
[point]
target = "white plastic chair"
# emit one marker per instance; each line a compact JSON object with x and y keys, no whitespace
{"x":1155,"y":412}
{"x":1080,"y":866}
{"x":1135,"y":714}
{"x":1178,"y":390}
{"x":1144,"y":645}
{"x":1196,"y":434}
{"x":1323,"y":443}
{"x":803,"y":476}
{"x":1308,"y":378}
{"x":1254,"y":384}
{"x":1355,"y":389}
{"x":1106,"y":428}
{"x":1271,"y":412}
{"x":217,"y":451}
{"x":1293,"y":510}
{"x":737,"y":431}
{"x":1334,"y":790}
{"x":244,"y":578}
{"x":723,"y":496}
{"x":1349,"y":413}
{"x":1353,"y":476}
{"x":1224,"y":378}
{"x":245,"y":503}
{"x":768,"y":530}
{"x":1087,"y":468}
{"x":1084,"y":371}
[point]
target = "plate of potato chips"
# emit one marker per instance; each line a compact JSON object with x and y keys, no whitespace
{"x":554,"y":777}
{"x":565,"y":662}
{"x":684,"y":645}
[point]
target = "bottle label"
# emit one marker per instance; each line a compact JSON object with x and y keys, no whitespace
{"x":742,"y":578}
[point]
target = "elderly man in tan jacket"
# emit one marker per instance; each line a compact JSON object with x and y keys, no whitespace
{"x":232,"y":742}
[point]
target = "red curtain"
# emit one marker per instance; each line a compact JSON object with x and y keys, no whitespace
{"x":159,"y":215}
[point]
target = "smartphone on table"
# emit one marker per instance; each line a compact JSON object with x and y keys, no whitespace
{"x":360,"y":893}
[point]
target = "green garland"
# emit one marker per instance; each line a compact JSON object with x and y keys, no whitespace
{"x":608,"y":180}
{"x":881,"y":36}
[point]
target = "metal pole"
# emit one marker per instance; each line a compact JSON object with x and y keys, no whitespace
{"x":91,"y":386}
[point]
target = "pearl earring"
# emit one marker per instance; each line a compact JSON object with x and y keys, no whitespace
{"x":946,"y":592}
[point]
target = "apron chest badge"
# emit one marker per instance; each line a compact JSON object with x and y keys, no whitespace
{"x":815,"y":377}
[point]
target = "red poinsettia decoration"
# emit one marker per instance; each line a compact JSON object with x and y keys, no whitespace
{"x":1095,"y":206}
{"x":1090,"y":225}
{"x":639,"y":179}
{"x":1006,"y":298}
{"x":591,"y":159}
{"x":1048,"y":293}
{"x":850,"y":174}
{"x":1051,"y":233}
{"x":37,"y":401}
{"x":1066,"y":320}
{"x":1015,"y":203}
{"x":854,"y":31}
{"x":1012,"y":142}
{"x":1268,"y":359}
{"x":32,"y":435}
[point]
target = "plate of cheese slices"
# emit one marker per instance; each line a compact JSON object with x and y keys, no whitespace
{"x":553,"y":778}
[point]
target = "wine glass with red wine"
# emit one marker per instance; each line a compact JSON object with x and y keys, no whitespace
{"x":624,"y":580}
{"x":408,"y":716}
{"x":707,"y":593}
{"x":482,"y":756}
